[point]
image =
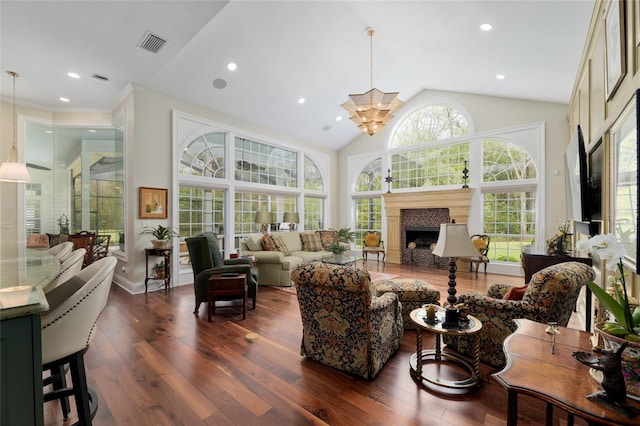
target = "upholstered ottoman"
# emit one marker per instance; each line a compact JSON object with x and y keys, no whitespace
{"x":413,"y":293}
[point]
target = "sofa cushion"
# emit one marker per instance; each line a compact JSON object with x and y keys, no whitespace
{"x":268,"y":244}
{"x":327,"y":237}
{"x":254,"y":243}
{"x":280,"y":245}
{"x":291,"y":240}
{"x":311,"y":241}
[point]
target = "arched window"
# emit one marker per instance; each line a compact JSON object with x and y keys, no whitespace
{"x":370,"y":177}
{"x":504,"y":161}
{"x":509,"y":203}
{"x":204,"y":156}
{"x":430,"y":123}
{"x":312,"y":176}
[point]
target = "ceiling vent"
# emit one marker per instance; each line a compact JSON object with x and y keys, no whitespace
{"x":151,"y":42}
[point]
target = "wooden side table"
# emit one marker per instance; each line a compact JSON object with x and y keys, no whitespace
{"x":418,"y":316}
{"x":166,"y":254}
{"x":225,"y":285}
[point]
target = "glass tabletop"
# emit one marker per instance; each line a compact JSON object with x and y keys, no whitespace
{"x":342,"y":260}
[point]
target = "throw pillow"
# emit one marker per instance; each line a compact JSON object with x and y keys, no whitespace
{"x":327,"y":237}
{"x":268,"y":244}
{"x":280,"y":245}
{"x":372,"y":240}
{"x":311,"y":241}
{"x":515,"y":293}
{"x":253,"y":245}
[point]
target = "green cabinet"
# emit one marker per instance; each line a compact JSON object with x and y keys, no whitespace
{"x":21,"y":400}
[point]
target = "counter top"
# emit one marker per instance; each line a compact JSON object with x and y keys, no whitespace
{"x":21,"y":281}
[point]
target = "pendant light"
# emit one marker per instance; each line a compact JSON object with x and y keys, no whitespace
{"x":12,"y":170}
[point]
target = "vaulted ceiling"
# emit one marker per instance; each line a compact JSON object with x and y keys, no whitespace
{"x":286,"y":50}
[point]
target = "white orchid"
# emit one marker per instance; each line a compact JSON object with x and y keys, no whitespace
{"x":608,"y":248}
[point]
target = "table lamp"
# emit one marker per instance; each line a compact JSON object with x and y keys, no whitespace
{"x":292,"y":218}
{"x":453,"y":242}
{"x":263,"y":218}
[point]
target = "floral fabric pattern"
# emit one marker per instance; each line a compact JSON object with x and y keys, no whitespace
{"x":344,"y":325}
{"x":412,"y":293}
{"x":327,"y":237}
{"x":268,"y":244}
{"x":550,"y":296}
{"x":311,"y":241}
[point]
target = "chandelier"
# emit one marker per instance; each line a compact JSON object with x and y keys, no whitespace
{"x":373,"y":109}
{"x":12,"y":170}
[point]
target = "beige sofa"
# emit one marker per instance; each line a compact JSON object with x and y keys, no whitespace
{"x":274,"y":267}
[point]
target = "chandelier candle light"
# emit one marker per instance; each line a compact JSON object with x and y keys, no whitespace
{"x":373,"y":109}
{"x":13,"y":170}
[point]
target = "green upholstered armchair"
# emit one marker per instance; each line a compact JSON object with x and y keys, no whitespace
{"x":206,"y":260}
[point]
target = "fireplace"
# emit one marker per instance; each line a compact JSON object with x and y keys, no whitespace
{"x":421,"y":209}
{"x":423,"y":237}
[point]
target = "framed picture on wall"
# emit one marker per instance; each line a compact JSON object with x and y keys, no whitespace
{"x":636,"y":5}
{"x":153,"y":203}
{"x":614,"y":46}
{"x":624,"y":215}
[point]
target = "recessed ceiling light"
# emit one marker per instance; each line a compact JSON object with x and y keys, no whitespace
{"x":231,"y":66}
{"x":64,"y":100}
{"x":219,"y":83}
{"x":73,"y":75}
{"x":302,"y":100}
{"x":48,"y":131}
{"x":500,"y":77}
{"x":486,"y":27}
{"x":339,"y":118}
{"x":91,"y":131}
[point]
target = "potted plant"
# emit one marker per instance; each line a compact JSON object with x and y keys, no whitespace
{"x":346,"y":235}
{"x":337,"y":249}
{"x":162,"y":235}
{"x":626,"y":327}
{"x":158,"y":268}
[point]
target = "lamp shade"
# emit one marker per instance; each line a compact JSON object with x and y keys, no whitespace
{"x":290,"y":217}
{"x":14,"y":172}
{"x":454,"y":241}
{"x":263,"y":217}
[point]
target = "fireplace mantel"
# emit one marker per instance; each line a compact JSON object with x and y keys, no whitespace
{"x":458,"y":201}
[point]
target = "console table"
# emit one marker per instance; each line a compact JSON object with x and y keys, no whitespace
{"x":166,"y":254}
{"x":558,"y":378}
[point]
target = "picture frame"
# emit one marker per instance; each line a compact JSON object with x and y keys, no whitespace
{"x":636,"y":5}
{"x":614,"y":46}
{"x":625,"y":193}
{"x":153,"y":203}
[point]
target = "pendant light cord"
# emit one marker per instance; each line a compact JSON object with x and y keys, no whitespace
{"x":371,"y":33}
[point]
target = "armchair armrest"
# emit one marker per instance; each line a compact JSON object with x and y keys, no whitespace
{"x":498,"y":291}
{"x":266,"y":256}
{"x":500,"y":311}
{"x":238,"y":261}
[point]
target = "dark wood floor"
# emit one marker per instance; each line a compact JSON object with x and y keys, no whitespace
{"x":153,"y":362}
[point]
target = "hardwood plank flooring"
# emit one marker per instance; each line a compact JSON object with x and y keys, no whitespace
{"x":153,"y":362}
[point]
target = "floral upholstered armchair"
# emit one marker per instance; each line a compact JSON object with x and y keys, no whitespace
{"x":550,"y":296}
{"x":344,"y":325}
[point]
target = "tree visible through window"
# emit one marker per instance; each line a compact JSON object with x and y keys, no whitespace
{"x":433,"y":122}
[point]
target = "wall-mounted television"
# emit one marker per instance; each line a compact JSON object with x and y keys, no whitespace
{"x":577,"y":181}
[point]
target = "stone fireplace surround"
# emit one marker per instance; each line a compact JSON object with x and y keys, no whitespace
{"x":399,"y":207}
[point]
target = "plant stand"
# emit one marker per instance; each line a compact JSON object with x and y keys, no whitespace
{"x":166,"y":253}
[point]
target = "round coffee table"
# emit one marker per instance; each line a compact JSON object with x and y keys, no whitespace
{"x":472,"y":328}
